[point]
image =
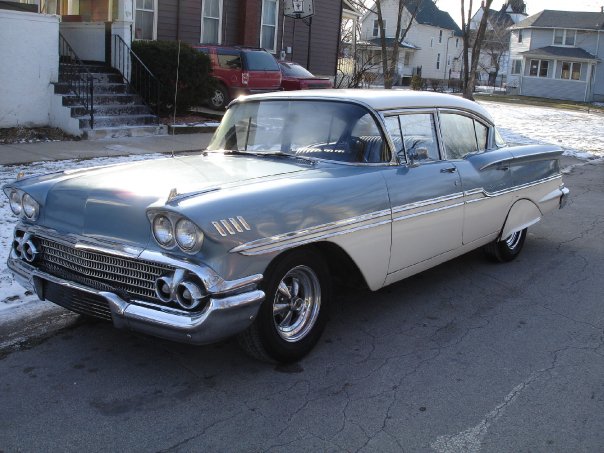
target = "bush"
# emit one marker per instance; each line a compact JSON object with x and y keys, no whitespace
{"x":417,"y":83}
{"x":194,"y":81}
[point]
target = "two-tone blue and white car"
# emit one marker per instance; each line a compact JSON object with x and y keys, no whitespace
{"x":297,"y":190}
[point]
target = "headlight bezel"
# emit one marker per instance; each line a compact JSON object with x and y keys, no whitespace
{"x":17,"y":200}
{"x":175,"y":219}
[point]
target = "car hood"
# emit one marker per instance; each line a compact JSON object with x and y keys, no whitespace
{"x":111,"y":202}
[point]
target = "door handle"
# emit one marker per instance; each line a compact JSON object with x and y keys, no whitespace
{"x":448,"y":170}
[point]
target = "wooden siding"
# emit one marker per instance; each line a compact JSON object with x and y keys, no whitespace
{"x":553,"y":88}
{"x":241,"y":26}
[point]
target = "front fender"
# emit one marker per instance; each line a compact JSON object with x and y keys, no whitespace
{"x":523,"y":214}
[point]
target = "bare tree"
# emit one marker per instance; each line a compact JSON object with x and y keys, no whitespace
{"x":495,"y":47}
{"x":356,"y":64}
{"x":390,"y":54}
{"x":472,"y":42}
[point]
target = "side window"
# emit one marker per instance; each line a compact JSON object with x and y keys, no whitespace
{"x":419,"y":136}
{"x":394,"y":131}
{"x":482,"y":135}
{"x":458,"y":135}
{"x":229,"y":59}
{"x":367,"y":142}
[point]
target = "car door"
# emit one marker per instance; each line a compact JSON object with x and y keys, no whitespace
{"x":425,"y":192}
{"x":484,"y":170}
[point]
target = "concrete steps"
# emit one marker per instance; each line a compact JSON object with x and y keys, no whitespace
{"x":117,"y":111}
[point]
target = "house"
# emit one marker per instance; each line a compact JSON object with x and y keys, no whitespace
{"x":92,"y":39}
{"x":558,"y":54}
{"x":494,"y":54}
{"x":430,"y":47}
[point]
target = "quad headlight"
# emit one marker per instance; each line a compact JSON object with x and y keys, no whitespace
{"x":186,"y":234}
{"x":171,"y":229}
{"x":22,"y":204}
{"x":163,"y":231}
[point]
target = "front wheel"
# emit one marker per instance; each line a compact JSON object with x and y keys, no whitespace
{"x":506,"y":249}
{"x":220,"y":98}
{"x":293,"y":315}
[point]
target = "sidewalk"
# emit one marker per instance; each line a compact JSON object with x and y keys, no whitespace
{"x":85,"y":149}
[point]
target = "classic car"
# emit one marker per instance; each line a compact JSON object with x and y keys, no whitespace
{"x":296,"y":191}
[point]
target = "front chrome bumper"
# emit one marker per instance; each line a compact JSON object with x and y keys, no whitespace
{"x":224,"y":315}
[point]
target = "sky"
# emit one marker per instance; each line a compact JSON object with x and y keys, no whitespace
{"x":453,"y":7}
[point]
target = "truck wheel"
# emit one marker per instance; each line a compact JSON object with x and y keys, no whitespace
{"x":293,"y":315}
{"x":506,"y":249}
{"x":220,"y":98}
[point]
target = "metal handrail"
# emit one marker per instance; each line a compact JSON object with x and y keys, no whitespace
{"x":140,"y":79}
{"x":77,"y":76}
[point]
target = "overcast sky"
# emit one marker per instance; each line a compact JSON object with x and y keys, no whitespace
{"x":453,"y":7}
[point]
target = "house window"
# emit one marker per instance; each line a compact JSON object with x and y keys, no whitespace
{"x":571,"y":71}
{"x":431,"y":42}
{"x":144,"y":25}
{"x":268,"y":33}
{"x":456,"y":43}
{"x":539,"y":68}
{"x":516,"y":66}
{"x":563,"y":37}
{"x":437,"y":61}
{"x":211,"y":21}
{"x":376,"y":27}
{"x":519,"y":35}
{"x":440,"y":36}
{"x":407,"y":58}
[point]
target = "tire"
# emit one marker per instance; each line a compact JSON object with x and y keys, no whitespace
{"x":220,"y":99}
{"x":293,"y":315}
{"x":506,"y":249}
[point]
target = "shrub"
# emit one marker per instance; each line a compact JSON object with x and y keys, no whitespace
{"x":194,"y":81}
{"x":417,"y":83}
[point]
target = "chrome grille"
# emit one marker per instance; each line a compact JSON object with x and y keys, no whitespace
{"x":135,"y":277}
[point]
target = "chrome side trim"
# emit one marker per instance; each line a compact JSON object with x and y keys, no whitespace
{"x":431,"y":201}
{"x":431,"y":211}
{"x":301,"y":237}
{"x":484,"y":194}
{"x":308,"y":235}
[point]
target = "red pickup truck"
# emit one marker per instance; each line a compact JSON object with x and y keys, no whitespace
{"x":240,"y":70}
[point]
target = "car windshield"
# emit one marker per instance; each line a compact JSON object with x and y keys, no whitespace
{"x":259,"y":60}
{"x":330,"y":130}
{"x":295,"y":70}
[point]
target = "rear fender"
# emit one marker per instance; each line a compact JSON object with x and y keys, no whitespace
{"x":523,"y":214}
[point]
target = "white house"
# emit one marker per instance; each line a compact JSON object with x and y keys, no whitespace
{"x":558,"y":54}
{"x":432,"y":46}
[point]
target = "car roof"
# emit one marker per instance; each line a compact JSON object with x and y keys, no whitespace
{"x":382,"y":99}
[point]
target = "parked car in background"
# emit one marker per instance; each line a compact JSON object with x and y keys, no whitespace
{"x":240,"y":70}
{"x":295,"y":192}
{"x":296,"y":77}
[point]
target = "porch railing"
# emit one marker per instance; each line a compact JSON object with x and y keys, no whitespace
{"x":78,"y":78}
{"x":140,"y":79}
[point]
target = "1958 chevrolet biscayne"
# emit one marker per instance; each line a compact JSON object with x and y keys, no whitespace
{"x":295,"y":191}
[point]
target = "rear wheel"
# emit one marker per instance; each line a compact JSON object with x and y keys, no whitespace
{"x":506,"y":249}
{"x":220,"y":98}
{"x":293,"y":315}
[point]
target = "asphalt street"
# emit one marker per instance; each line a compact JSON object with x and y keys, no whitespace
{"x":469,"y":356}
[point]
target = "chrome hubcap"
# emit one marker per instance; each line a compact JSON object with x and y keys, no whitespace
{"x":297,"y":303}
{"x":218,"y":98}
{"x":513,"y":239}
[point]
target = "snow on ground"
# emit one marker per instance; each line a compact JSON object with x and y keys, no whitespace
{"x":578,"y":133}
{"x":12,"y":294}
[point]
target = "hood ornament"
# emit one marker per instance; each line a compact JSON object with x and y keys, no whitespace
{"x":20,"y":175}
{"x":172,"y":195}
